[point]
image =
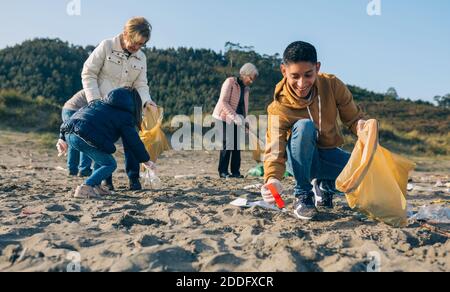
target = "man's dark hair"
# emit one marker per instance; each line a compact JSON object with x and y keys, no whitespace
{"x":300,"y":52}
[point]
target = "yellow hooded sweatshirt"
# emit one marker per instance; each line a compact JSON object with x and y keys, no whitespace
{"x":330,"y":98}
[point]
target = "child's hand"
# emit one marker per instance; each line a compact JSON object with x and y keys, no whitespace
{"x":62,"y":147}
{"x":150,"y":165}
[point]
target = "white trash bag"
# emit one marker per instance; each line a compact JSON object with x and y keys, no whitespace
{"x":151,"y":179}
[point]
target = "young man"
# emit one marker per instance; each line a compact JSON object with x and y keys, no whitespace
{"x":303,"y":130}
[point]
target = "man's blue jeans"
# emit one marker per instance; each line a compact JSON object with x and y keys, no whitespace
{"x":105,"y":164}
{"x":76,"y":160}
{"x":307,"y":162}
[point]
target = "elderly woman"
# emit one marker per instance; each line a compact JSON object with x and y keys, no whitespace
{"x":115,"y":63}
{"x":231,"y":110}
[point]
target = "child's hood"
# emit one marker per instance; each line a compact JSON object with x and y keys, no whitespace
{"x":122,"y":99}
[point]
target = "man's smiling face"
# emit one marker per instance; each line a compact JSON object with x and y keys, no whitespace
{"x":301,"y":76}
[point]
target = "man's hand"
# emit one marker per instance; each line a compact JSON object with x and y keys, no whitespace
{"x":265,"y":192}
{"x":62,"y":147}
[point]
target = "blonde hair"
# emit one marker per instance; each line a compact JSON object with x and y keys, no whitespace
{"x":138,"y":27}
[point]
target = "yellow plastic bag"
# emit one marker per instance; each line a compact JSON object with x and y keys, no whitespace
{"x":152,"y":135}
{"x":375,"y":180}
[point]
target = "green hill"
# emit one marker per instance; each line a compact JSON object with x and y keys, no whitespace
{"x":38,"y":76}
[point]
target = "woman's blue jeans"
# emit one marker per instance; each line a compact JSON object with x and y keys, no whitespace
{"x":76,"y":161}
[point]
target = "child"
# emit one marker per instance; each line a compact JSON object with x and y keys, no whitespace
{"x":78,"y":163}
{"x":303,"y":130}
{"x":94,"y":130}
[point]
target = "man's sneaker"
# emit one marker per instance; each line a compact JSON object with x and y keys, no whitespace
{"x":85,"y":192}
{"x":135,"y":185}
{"x":304,"y":207}
{"x":323,"y":197}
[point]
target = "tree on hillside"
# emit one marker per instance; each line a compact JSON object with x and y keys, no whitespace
{"x":392,"y":93}
{"x":47,"y":67}
{"x":232,"y":51}
{"x":179,"y":79}
{"x":443,"y":101}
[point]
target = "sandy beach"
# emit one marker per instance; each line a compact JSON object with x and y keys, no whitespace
{"x":189,"y":224}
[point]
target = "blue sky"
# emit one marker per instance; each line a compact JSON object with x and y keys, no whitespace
{"x":407,"y":46}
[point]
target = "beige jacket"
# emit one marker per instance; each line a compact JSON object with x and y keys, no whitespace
{"x":108,"y":68}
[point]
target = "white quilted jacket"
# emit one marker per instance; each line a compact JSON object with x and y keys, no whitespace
{"x":108,"y":68}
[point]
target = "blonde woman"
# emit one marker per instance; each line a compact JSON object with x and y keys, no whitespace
{"x":231,"y":110}
{"x":115,"y":63}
